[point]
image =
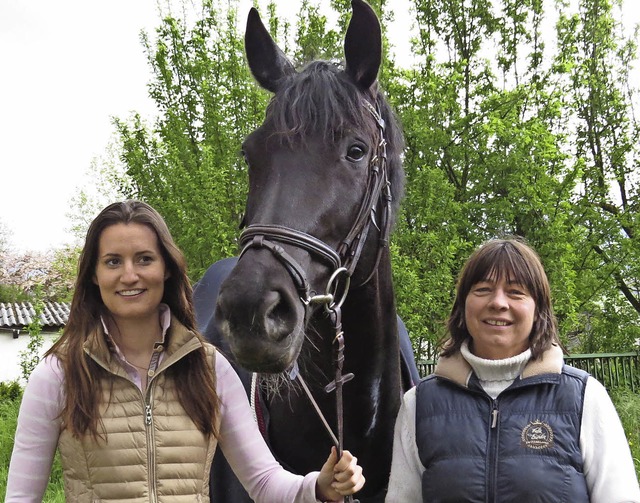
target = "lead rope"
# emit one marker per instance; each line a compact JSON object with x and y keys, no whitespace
{"x":335,"y":316}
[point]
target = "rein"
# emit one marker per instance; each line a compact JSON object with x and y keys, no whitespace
{"x":335,"y":315}
{"x":343,"y":261}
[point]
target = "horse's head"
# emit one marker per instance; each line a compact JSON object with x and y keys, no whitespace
{"x":318,"y":170}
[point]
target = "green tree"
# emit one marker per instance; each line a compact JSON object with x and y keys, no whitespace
{"x":62,"y":274}
{"x":188,"y":165}
{"x":482,"y":157}
{"x":594,"y":62}
{"x":507,"y":133}
{"x":490,"y":152}
{"x":31,"y":356}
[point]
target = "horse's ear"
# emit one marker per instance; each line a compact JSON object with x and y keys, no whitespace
{"x":363,"y":45}
{"x":267,"y":62}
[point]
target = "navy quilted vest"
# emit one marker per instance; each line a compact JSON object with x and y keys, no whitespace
{"x":522,"y":447}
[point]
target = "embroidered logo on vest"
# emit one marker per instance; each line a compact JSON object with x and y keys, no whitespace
{"x":537,"y":435}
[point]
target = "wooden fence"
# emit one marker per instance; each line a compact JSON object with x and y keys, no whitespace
{"x":611,"y":369}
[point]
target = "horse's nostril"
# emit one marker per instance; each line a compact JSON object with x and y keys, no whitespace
{"x":222,"y":308}
{"x":279,"y":316}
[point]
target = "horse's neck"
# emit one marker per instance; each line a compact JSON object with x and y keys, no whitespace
{"x":372,"y":354}
{"x":370,"y":331}
{"x":370,"y":400}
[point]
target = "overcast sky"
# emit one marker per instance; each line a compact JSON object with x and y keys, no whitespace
{"x":67,"y":67}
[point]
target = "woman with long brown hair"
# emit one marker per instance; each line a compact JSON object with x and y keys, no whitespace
{"x":134,"y":399}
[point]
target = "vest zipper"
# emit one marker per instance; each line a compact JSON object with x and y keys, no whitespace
{"x":494,"y":417}
{"x":494,"y":433}
{"x":148,"y":418}
{"x":151,"y":451}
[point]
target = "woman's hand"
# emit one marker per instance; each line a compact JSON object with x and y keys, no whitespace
{"x":339,"y":478}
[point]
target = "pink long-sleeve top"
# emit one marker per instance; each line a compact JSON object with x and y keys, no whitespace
{"x":39,"y":427}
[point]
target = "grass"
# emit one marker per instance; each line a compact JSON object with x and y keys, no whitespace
{"x":9,"y":407}
{"x":8,"y":417}
{"x":627,"y":404}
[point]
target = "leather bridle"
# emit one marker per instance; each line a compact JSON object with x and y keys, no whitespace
{"x":342,"y":261}
{"x":347,"y":255}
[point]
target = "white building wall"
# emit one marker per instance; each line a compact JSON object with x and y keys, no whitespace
{"x":10,"y":350}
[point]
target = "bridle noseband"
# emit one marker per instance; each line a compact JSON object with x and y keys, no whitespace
{"x":255,"y":236}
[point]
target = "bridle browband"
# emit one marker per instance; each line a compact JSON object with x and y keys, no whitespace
{"x":377,"y":194}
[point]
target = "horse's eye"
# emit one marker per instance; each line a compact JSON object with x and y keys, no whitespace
{"x":355,"y":153}
{"x":244,"y":156}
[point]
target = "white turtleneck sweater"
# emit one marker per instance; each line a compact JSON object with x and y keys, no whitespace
{"x":608,"y":466}
{"x":496,"y":375}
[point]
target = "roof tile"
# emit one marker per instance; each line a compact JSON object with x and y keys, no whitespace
{"x":21,"y":314}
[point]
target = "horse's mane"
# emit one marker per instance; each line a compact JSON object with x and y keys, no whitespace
{"x":322,"y":101}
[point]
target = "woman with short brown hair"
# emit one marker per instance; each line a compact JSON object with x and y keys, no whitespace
{"x":503,"y":418}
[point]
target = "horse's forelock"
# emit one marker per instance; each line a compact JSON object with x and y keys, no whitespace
{"x":322,"y":102}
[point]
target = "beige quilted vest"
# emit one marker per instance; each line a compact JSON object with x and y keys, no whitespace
{"x":154,"y":452}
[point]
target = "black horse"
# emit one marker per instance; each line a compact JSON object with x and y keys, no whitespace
{"x":225,"y":487}
{"x":325,"y":179}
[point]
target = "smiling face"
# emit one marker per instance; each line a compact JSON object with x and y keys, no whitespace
{"x":130,"y":272}
{"x":499,"y":315}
